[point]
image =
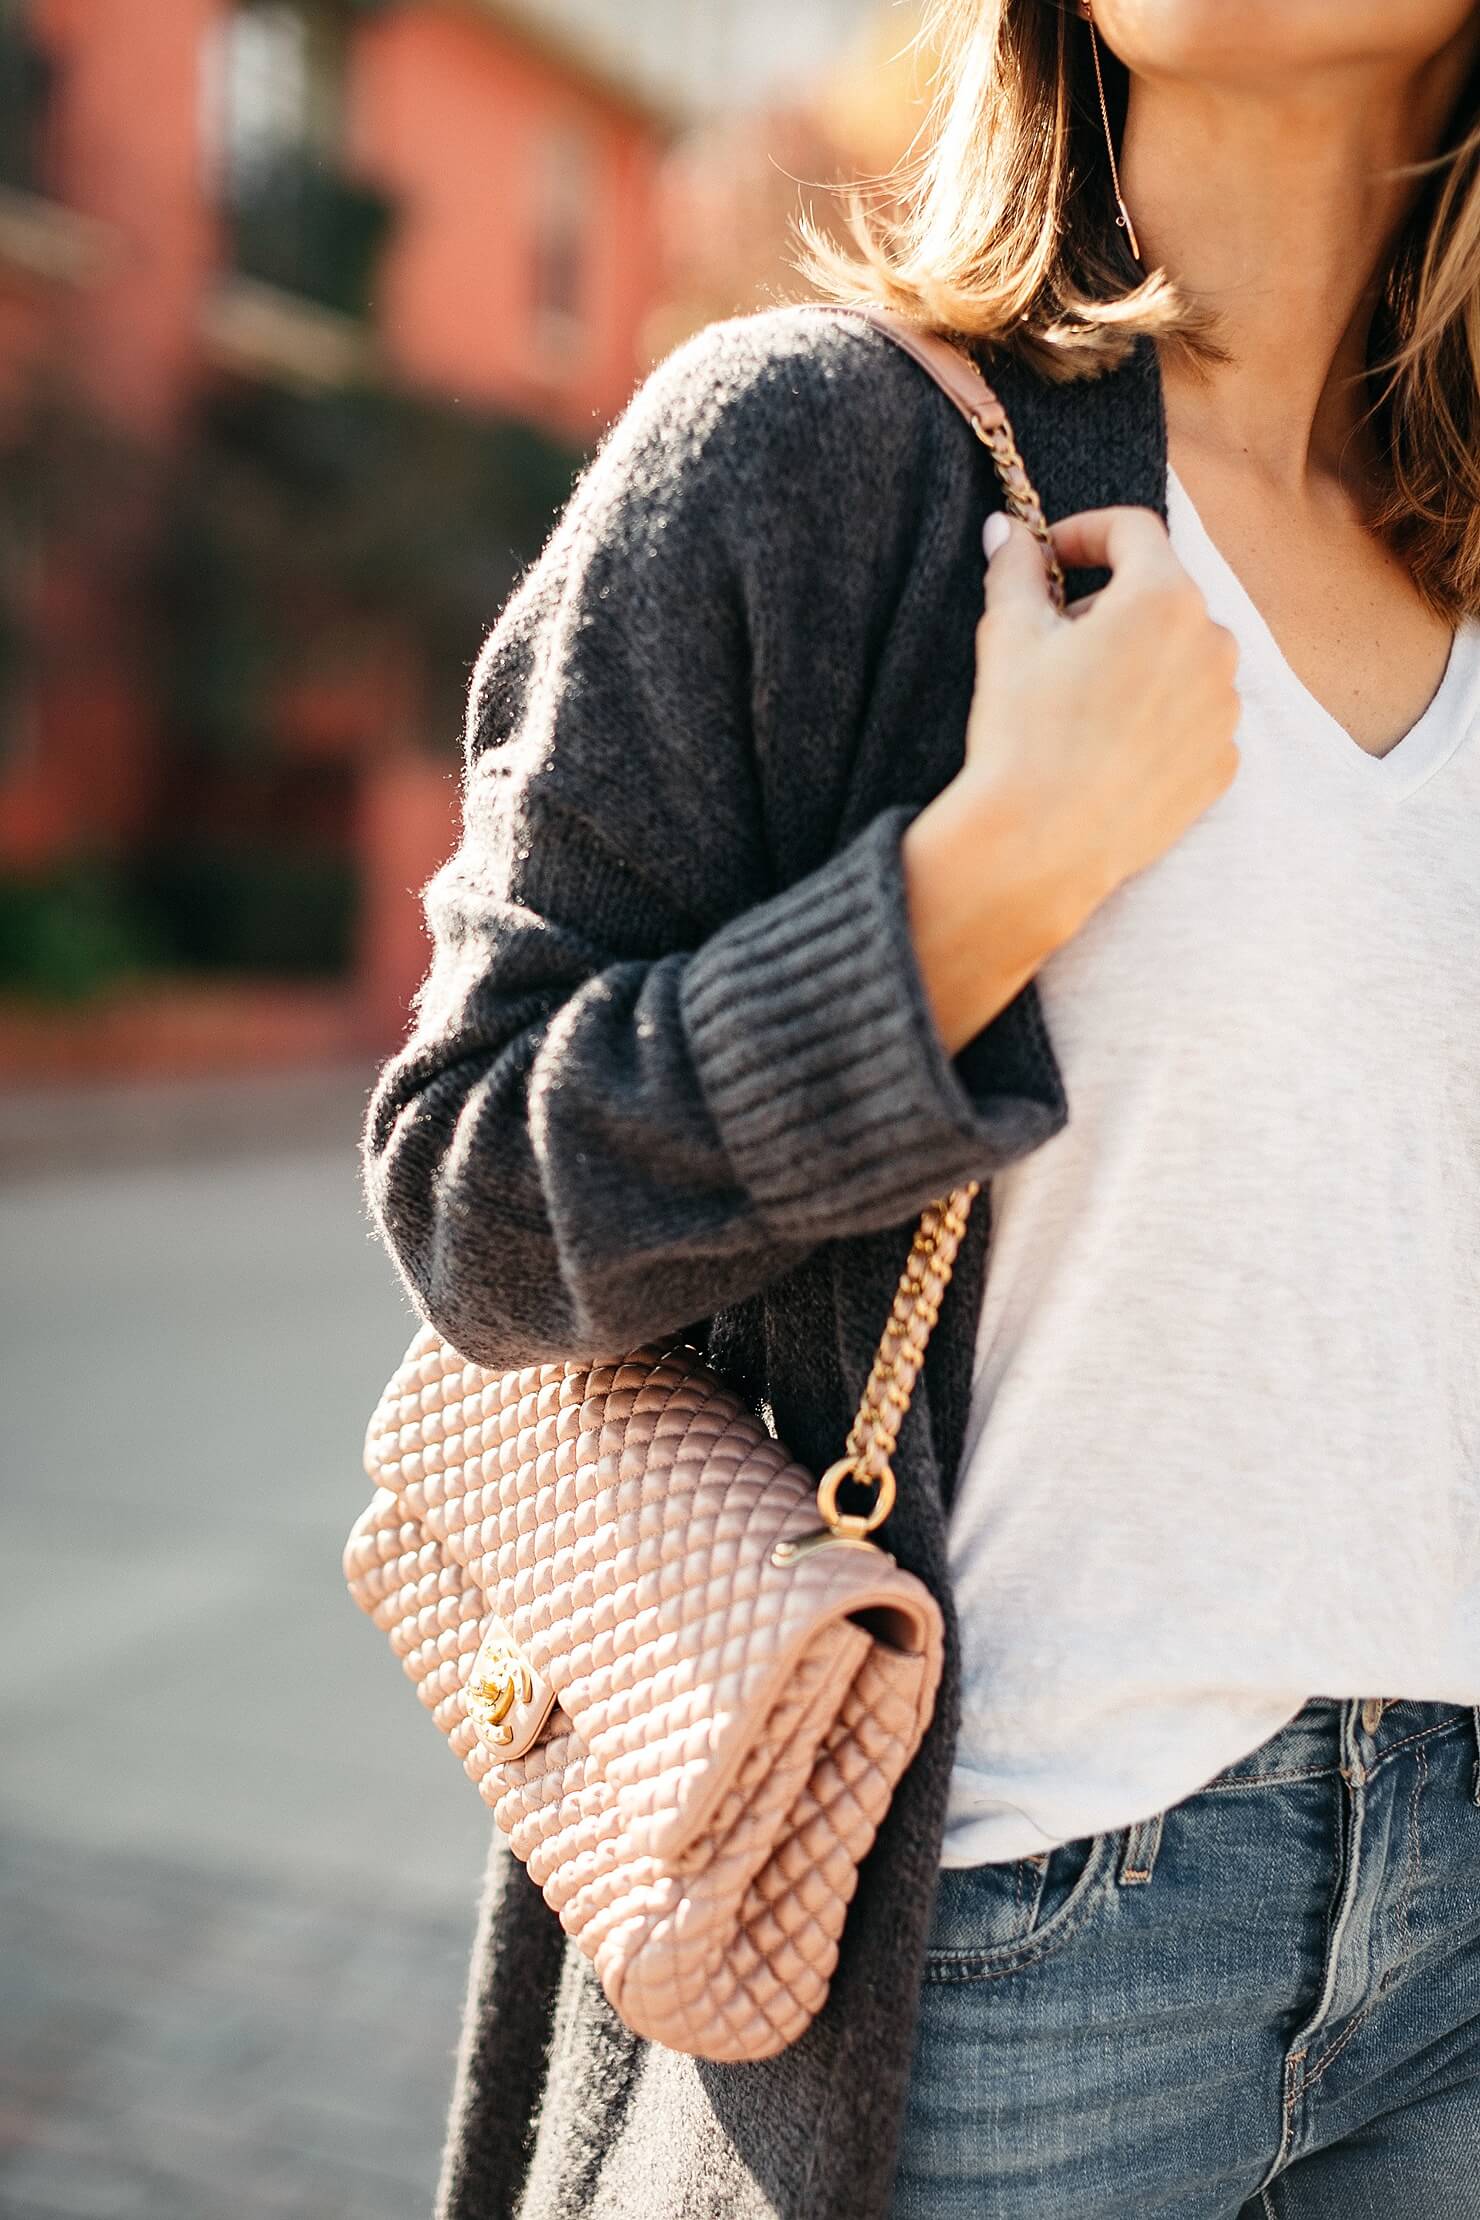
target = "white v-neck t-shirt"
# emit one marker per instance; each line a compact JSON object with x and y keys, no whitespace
{"x":1224,"y":1444}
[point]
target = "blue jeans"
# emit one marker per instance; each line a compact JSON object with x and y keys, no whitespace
{"x":1262,"y":2005}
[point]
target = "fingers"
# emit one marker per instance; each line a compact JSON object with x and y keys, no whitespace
{"x":1131,"y":543}
{"x":1017,"y":578}
{"x":1121,"y":539}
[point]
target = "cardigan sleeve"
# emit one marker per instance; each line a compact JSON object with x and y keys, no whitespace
{"x":643,"y":1079}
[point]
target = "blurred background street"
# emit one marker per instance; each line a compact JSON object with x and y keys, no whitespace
{"x":237,"y":1873}
{"x":310,"y":312}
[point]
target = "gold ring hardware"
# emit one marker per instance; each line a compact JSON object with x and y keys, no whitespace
{"x":844,"y":1530}
{"x":874,"y":1434}
{"x":854,"y":1525}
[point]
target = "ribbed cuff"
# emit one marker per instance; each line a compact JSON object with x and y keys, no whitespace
{"x":819,"y":1060}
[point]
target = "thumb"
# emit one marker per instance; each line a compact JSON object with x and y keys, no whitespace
{"x":1016,"y":574}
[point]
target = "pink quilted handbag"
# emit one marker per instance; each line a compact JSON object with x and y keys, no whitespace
{"x":687,"y":1703}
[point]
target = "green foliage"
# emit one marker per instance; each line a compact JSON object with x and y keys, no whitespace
{"x":258,"y":906}
{"x":305,"y":528}
{"x":286,"y":538}
{"x":70,"y":934}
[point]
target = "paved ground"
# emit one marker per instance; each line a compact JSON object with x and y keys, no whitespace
{"x":237,"y":1866}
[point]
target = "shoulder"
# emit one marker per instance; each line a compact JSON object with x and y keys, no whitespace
{"x":792,"y":409}
{"x":756,"y":374}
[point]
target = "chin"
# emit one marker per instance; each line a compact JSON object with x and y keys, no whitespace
{"x":1255,"y":40}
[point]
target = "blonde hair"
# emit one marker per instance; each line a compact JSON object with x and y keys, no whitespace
{"x":1004,"y":232}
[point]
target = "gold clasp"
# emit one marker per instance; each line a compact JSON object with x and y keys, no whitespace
{"x":500,"y":1680}
{"x":846,"y":1529}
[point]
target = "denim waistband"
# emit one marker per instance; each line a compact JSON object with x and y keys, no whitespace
{"x":1337,"y":1734}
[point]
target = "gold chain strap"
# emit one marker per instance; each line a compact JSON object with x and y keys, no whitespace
{"x":916,"y":1307}
{"x":1022,"y":497}
{"x":874,"y":1434}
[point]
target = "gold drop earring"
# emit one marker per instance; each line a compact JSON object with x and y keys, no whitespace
{"x":1123,"y":220}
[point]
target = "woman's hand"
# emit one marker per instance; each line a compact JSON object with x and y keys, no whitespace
{"x":1095,"y":739}
{"x":1108,"y":734}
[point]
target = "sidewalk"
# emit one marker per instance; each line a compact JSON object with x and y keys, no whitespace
{"x":48,"y":1130}
{"x":180,"y":2045}
{"x":238,"y":1867}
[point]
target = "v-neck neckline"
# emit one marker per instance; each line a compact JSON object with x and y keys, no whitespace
{"x":1430,"y":740}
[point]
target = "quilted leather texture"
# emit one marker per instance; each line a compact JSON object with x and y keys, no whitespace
{"x":726,"y":1733}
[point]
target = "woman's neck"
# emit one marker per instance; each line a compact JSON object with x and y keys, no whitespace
{"x":1268,"y":202}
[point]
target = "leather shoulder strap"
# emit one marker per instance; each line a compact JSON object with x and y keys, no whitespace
{"x":963,"y":385}
{"x":951,"y":367}
{"x":896,"y":1367}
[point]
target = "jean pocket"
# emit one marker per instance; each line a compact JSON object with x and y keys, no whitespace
{"x":992,"y":1919}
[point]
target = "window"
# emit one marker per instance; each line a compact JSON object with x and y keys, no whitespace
{"x":274,"y":92}
{"x":26,"y":83}
{"x":20,"y":559}
{"x":275,"y":89}
{"x":564,"y":188}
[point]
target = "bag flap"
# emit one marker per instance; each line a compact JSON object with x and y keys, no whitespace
{"x":621,"y":1517}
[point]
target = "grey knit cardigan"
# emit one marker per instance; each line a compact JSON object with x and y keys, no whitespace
{"x":673,"y":1065}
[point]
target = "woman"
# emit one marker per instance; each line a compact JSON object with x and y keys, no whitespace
{"x":778,"y":913}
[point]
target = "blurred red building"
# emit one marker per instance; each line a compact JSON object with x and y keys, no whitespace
{"x":308,"y":311}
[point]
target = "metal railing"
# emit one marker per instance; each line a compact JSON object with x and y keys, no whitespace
{"x":308,"y":230}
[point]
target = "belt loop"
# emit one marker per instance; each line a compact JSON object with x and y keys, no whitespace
{"x":1142,"y":1842}
{"x":1475,"y":1776}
